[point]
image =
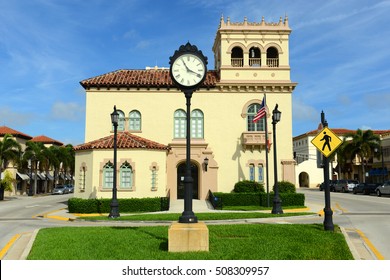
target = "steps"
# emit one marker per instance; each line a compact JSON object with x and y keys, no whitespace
{"x":177,"y":206}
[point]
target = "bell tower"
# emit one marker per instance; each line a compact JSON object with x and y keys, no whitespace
{"x":252,"y":52}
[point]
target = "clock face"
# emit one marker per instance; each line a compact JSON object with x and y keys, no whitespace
{"x":188,"y":70}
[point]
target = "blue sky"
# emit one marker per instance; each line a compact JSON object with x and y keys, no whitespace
{"x":339,"y":55}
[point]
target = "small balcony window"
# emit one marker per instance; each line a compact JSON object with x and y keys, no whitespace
{"x":237,"y":57}
{"x":254,"y":57}
{"x":272,"y":57}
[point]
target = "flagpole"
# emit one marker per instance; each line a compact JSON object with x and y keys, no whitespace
{"x":266,"y":153}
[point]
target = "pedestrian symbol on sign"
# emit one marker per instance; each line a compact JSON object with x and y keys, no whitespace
{"x":327,"y":139}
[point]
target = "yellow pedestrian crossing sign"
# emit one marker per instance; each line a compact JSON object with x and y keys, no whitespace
{"x":326,"y":142}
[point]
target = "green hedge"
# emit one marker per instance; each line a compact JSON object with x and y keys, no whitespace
{"x":248,"y":187}
{"x":130,"y":205}
{"x":258,"y":199}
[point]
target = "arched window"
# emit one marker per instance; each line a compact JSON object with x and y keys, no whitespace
{"x":272,"y":57}
{"x":251,"y":172}
{"x":197,"y":124}
{"x":260,"y":173}
{"x":135,"y":121}
{"x":251,"y":113}
{"x":82,"y":178}
{"x":237,"y":57}
{"x":180,"y":124}
{"x":126,"y":176}
{"x":108,"y":175}
{"x":154,"y":178}
{"x":254,"y":57}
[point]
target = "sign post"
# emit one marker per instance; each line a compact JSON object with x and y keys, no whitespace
{"x":326,"y":142}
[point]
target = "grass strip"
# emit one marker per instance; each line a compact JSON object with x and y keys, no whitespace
{"x":226,"y":242}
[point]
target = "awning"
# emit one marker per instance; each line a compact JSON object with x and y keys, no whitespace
{"x":22,"y":176}
{"x":39,"y":177}
{"x":48,"y":176}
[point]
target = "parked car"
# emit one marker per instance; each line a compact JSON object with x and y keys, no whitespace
{"x":365,"y":188}
{"x":70,"y":188}
{"x":60,"y":189}
{"x":383,"y":189}
{"x":345,"y":185}
{"x":331,"y":185}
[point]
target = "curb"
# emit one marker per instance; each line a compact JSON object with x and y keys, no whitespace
{"x":29,"y":245}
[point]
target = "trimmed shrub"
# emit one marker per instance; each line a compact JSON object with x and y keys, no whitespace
{"x":130,"y":205}
{"x":239,"y":199}
{"x":248,"y":187}
{"x":286,"y":187}
{"x":258,"y":199}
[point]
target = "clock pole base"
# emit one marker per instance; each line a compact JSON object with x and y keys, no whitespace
{"x":188,"y":237}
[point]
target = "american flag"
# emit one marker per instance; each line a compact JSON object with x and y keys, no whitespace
{"x":261,"y":113}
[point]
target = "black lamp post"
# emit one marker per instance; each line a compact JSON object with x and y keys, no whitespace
{"x":114,"y":205}
{"x":277,"y":203}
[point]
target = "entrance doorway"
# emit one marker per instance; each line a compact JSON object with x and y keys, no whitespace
{"x":304,"y":180}
{"x":181,"y":172}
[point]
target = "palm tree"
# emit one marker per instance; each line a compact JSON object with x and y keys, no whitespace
{"x":35,"y":153}
{"x":342,"y":157}
{"x":363,"y":145}
{"x":9,"y":151}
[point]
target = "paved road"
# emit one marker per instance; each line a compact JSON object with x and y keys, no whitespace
{"x":368,"y":214}
{"x":19,"y":214}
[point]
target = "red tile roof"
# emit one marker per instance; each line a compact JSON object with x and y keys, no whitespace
{"x":46,"y":140}
{"x":6,"y":130}
{"x":125,"y":140}
{"x":141,"y":78}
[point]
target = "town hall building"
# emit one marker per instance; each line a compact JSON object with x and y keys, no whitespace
{"x":251,"y":61}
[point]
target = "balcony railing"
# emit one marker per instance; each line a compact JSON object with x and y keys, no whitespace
{"x":254,"y":139}
{"x":237,"y":62}
{"x":273,"y":62}
{"x":255,"y":62}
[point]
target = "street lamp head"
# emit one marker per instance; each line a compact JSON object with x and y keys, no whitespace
{"x":114,"y":116}
{"x":276,"y":114}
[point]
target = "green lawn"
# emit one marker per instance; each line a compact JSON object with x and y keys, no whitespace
{"x":226,"y":242}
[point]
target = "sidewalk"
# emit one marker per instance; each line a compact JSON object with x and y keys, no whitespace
{"x":21,"y":246}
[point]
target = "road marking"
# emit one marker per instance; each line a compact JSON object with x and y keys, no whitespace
{"x":370,"y":245}
{"x":32,"y":206}
{"x":342,"y":209}
{"x":9,"y":244}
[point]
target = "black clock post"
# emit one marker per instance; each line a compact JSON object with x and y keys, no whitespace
{"x":188,"y":70}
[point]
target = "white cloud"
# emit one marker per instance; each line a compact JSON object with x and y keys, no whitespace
{"x":70,"y":111}
{"x":302,"y":111}
{"x":12,"y":118}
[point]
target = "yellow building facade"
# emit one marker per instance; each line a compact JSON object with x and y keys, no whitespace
{"x":251,"y":62}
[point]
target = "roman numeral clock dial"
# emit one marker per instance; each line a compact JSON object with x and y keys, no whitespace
{"x":188,"y":69}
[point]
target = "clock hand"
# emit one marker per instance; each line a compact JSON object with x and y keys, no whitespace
{"x":185,"y":65}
